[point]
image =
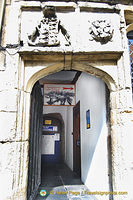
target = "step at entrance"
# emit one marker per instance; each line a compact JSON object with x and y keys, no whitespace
{"x":60,"y":183}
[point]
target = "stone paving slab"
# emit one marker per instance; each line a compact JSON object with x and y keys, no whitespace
{"x":61,"y":183}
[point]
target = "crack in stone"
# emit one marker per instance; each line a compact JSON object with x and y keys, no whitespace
{"x":126,"y":111}
{"x":9,"y":141}
{"x":8,"y":111}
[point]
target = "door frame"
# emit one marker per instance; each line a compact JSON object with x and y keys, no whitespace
{"x":76,"y":109}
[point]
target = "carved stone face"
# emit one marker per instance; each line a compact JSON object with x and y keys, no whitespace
{"x":49,"y":12}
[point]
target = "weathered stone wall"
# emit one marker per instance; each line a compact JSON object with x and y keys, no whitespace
{"x":126,"y":2}
{"x":20,"y":67}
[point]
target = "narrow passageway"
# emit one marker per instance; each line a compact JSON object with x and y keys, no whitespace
{"x":60,"y":183}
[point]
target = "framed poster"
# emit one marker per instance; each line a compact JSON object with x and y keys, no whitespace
{"x":59,"y":94}
{"x":88,"y":119}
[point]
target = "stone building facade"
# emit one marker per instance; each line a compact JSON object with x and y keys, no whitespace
{"x":39,"y":38}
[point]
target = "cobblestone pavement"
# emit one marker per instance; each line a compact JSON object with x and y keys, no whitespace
{"x":60,"y":183}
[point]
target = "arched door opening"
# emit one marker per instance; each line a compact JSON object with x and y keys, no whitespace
{"x":53,"y":138}
{"x":91,"y":157}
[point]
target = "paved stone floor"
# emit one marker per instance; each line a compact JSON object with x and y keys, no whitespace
{"x":61,"y":183}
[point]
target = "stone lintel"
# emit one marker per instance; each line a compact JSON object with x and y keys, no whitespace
{"x":108,"y":2}
{"x":95,"y":7}
{"x":97,"y":56}
{"x":56,"y":57}
{"x":68,"y":62}
{"x":77,"y":56}
{"x":34,"y":5}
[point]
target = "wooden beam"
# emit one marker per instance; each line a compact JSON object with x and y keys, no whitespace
{"x":77,"y":75}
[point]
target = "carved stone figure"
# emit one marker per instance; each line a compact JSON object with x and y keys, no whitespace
{"x":101,"y":30}
{"x":46,"y":33}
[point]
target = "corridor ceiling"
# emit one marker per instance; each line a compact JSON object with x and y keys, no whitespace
{"x":61,"y":77}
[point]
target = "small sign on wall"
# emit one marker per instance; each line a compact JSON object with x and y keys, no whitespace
{"x":88,"y":119}
{"x":48,"y":122}
{"x":50,"y":128}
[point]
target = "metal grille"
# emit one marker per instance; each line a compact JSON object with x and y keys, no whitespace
{"x":130,"y":41}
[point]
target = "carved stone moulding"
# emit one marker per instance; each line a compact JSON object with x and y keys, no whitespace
{"x":113,"y":2}
{"x":101,"y":30}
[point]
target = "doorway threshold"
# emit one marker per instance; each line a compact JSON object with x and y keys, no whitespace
{"x":60,"y":183}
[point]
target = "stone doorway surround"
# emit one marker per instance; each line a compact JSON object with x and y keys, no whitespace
{"x":44,"y":65}
{"x":109,"y":64}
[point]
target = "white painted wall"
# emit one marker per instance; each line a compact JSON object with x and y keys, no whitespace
{"x":69,"y":138}
{"x":91,"y":93}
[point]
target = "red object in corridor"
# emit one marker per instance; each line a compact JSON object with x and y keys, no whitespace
{"x":67,"y":88}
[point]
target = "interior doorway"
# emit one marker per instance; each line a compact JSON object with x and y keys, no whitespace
{"x":76,"y":139}
{"x":52,"y":139}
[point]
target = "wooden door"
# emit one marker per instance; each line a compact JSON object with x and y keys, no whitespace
{"x":76,"y":139}
{"x":34,"y":168}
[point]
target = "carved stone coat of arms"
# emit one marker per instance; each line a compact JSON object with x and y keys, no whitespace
{"x":46,"y":33}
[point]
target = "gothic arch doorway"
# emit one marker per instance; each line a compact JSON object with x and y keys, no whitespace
{"x":85,"y":179}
